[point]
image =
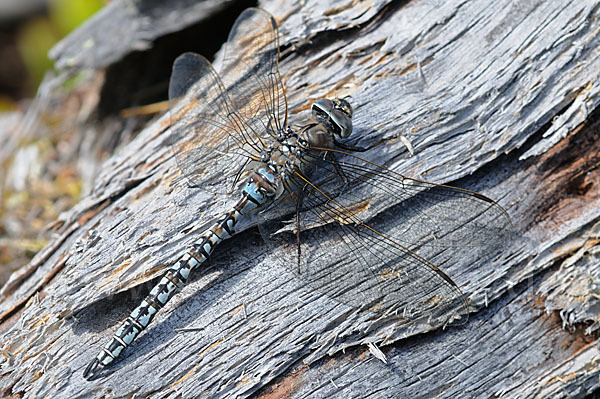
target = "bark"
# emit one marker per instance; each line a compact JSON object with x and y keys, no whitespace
{"x":496,"y":97}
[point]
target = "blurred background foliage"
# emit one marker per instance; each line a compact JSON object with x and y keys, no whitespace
{"x":28,"y":30}
{"x":43,"y":158}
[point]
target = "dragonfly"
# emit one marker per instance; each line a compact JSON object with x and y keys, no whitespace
{"x":309,"y":190}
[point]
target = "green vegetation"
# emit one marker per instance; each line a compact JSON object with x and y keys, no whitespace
{"x":38,"y":35}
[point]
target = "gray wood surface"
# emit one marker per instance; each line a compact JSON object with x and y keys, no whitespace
{"x":498,"y":97}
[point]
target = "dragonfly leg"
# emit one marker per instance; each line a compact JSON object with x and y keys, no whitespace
{"x":337,"y":168}
{"x":298,"y":236}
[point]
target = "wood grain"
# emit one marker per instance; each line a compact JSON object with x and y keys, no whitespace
{"x":497,"y":97}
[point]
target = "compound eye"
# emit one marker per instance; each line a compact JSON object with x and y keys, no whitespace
{"x":344,"y":106}
{"x":342,"y":122}
{"x":322,"y":107}
{"x":335,"y":115}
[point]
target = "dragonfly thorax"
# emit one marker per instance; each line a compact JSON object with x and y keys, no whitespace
{"x":282,"y":154}
{"x":286,"y":154}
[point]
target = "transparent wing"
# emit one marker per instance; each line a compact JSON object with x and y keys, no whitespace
{"x":373,"y":237}
{"x":432,"y":215}
{"x":219,"y":125}
{"x":208,"y":135}
{"x":251,"y":70}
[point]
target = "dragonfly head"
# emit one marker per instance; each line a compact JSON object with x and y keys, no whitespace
{"x":335,"y":115}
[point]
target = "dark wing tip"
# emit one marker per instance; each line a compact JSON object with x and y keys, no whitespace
{"x":187,"y":69}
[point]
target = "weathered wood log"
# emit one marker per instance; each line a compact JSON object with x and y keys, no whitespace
{"x":500,"y":98}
